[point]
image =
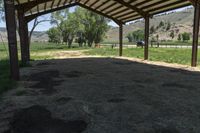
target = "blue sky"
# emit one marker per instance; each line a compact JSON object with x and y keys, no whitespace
{"x":46,"y":25}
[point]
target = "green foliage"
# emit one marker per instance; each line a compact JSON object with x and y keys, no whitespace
{"x":169,"y":55}
{"x":2,"y":16}
{"x":179,"y":37}
{"x":82,"y":25}
{"x":157,"y":37}
{"x":161,"y":24}
{"x":136,"y":36}
{"x":172,"y":35}
{"x":186,"y":36}
{"x":168,"y":26}
{"x":152,"y":29}
{"x":54,"y":35}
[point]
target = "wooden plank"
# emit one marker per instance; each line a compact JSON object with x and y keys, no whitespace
{"x":146,"y":39}
{"x":31,"y":17}
{"x":120,"y":39}
{"x":195,"y":34}
{"x":12,"y":40}
{"x":23,"y":37}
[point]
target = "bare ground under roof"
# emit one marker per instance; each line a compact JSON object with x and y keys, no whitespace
{"x":109,"y":95}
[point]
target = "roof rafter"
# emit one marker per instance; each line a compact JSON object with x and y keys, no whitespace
{"x":100,"y":13}
{"x":30,"y":4}
{"x":33,"y":16}
{"x":142,"y":13}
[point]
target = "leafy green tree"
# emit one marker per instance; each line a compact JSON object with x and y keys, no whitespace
{"x":161,"y":24}
{"x":179,"y":37}
{"x":152,"y":29}
{"x":136,"y":36}
{"x":168,"y":26}
{"x":186,"y":36}
{"x":95,"y":26}
{"x":54,"y":35}
{"x":130,"y":37}
{"x":82,"y":24}
{"x":157,"y":37}
{"x":57,"y":18}
{"x":172,"y":35}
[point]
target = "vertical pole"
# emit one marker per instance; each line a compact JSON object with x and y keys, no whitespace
{"x":195,"y":34}
{"x":27,"y":39}
{"x":12,"y":40}
{"x":23,"y":37}
{"x":120,"y":39}
{"x":146,"y":47}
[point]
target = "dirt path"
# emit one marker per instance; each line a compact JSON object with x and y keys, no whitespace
{"x":81,"y":54}
{"x":103,"y":95}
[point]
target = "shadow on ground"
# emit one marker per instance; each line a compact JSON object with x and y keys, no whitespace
{"x":105,"y":95}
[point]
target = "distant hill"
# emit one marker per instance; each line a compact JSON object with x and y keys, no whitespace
{"x":180,"y":22}
{"x":38,"y":36}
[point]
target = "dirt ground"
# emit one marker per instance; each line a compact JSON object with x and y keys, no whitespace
{"x":103,"y":95}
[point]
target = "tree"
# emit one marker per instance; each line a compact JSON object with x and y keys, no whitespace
{"x":95,"y":26}
{"x":179,"y":37}
{"x":186,"y":36}
{"x":161,"y":24}
{"x":58,"y":18}
{"x":168,"y":26}
{"x":152,"y":29}
{"x":36,"y":22}
{"x":157,"y":37}
{"x":130,"y":37}
{"x":54,"y":35}
{"x":136,"y":36}
{"x":172,"y":34}
{"x":2,"y":17}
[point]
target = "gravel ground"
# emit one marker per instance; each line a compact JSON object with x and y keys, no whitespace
{"x":108,"y":95}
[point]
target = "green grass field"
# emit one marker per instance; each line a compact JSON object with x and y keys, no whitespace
{"x":41,"y":51}
{"x":169,"y":55}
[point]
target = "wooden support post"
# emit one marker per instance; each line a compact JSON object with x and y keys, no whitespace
{"x":146,"y":47}
{"x":12,"y":40}
{"x":195,"y":33}
{"x":24,"y":42}
{"x":27,"y":40}
{"x":120,"y":39}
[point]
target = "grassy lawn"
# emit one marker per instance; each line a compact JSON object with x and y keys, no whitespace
{"x":41,"y":51}
{"x":169,"y":55}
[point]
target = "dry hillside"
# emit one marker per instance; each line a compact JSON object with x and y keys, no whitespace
{"x":181,"y":21}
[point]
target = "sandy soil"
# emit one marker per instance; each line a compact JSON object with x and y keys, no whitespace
{"x":111,"y":95}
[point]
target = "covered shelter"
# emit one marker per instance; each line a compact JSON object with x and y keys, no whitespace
{"x":120,"y":11}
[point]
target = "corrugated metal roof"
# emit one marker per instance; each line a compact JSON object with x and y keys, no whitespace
{"x":118,"y":10}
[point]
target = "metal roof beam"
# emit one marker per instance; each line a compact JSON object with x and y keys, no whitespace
{"x":142,"y":13}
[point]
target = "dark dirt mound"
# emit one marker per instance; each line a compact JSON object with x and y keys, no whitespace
{"x":37,"y":119}
{"x":46,"y":81}
{"x":74,"y":74}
